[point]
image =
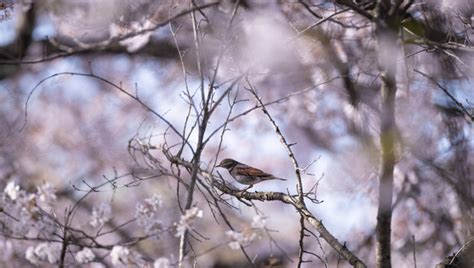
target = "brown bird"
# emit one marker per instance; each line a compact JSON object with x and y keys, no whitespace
{"x":245,"y":174}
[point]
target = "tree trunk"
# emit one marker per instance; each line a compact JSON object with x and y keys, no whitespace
{"x":387,"y":37}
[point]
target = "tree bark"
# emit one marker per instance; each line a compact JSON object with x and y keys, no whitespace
{"x":387,"y":37}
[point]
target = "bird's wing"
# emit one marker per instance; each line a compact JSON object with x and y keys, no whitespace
{"x":251,"y":171}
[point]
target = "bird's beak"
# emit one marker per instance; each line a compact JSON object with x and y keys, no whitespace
{"x":219,"y":165}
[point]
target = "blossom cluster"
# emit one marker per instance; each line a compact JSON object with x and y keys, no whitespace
{"x":100,"y":214}
{"x":25,"y":214}
{"x":147,"y":215}
{"x":86,"y":255}
{"x":135,"y":42}
{"x":43,"y":252}
{"x":29,"y":213}
{"x":23,"y":211}
{"x":187,"y":220}
{"x":121,"y":256}
{"x":247,"y":235}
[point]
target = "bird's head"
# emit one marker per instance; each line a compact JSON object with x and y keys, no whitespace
{"x":227,"y":163}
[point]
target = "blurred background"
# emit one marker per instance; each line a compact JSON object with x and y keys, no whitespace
{"x":322,"y":83}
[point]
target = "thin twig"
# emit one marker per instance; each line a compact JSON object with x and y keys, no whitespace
{"x":291,"y":155}
{"x":450,"y":96}
{"x":414,"y":250}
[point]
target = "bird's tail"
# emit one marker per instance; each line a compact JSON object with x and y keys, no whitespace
{"x":277,"y":178}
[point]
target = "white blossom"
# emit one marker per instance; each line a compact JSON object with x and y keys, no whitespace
{"x":147,"y":209}
{"x":23,"y":209}
{"x":235,"y":238}
{"x":46,"y":193}
{"x":235,"y":245}
{"x":31,"y":256}
{"x":258,"y":222}
{"x":247,"y":235}
{"x":119,"y":255}
{"x":48,"y":251}
{"x":123,"y":256}
{"x":136,"y":42}
{"x":240,"y":238}
{"x":100,"y":215}
{"x":154,"y":202}
{"x":12,"y":190}
{"x":27,"y":203}
{"x":147,"y":216}
{"x":85,"y":255}
{"x":43,"y":252}
{"x":187,"y":220}
{"x":180,"y":229}
{"x":26,"y":212}
{"x":161,"y":263}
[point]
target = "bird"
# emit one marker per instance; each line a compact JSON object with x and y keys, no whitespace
{"x":245,"y":174}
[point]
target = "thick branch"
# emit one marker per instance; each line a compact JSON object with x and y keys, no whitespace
{"x":109,"y":44}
